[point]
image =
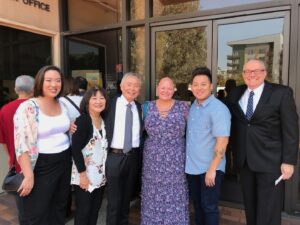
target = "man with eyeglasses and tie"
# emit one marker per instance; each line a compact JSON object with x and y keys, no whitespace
{"x":265,"y":135}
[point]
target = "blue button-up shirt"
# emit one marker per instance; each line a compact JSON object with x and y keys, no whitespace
{"x":206,"y":122}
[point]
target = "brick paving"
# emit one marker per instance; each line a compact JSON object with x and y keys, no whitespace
{"x":229,"y":216}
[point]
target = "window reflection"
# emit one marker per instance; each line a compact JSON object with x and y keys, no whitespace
{"x":137,"y":9}
{"x":171,"y":7}
{"x":177,"y":53}
{"x":84,"y":61}
{"x":238,"y":43}
{"x":98,"y":56}
{"x":137,"y":54}
{"x":216,"y":4}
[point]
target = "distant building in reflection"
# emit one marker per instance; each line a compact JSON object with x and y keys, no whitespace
{"x":267,"y":48}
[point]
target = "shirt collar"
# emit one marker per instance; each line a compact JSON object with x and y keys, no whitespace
{"x":206,"y":102}
{"x":125,"y":102}
{"x":257,"y":91}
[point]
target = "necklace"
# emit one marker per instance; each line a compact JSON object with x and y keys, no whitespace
{"x":164,"y":107}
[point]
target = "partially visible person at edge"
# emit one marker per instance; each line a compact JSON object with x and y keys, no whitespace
{"x":266,"y":137}
{"x":82,"y":84}
{"x":123,"y":149}
{"x":24,"y":89}
{"x":230,"y":84}
{"x":208,"y":130}
{"x":89,"y":151}
{"x":164,"y":185}
{"x":231,"y":168}
{"x":42,"y":150}
{"x":71,"y":97}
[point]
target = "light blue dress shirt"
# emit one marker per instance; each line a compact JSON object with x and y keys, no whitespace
{"x":206,"y":122}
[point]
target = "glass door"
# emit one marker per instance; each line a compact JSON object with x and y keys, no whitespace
{"x":223,"y":45}
{"x":176,"y":51}
{"x":236,"y":40}
{"x":97,"y":56}
{"x":87,"y":59}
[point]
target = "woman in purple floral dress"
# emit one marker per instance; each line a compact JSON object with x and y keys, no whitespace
{"x":164,"y":187}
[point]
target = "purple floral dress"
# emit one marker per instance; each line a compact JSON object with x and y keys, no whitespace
{"x":164,"y":186}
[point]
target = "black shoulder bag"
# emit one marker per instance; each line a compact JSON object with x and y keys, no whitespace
{"x":73,"y":104}
{"x":12,"y":180}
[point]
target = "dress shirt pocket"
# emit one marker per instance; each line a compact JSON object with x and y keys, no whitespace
{"x":204,"y":127}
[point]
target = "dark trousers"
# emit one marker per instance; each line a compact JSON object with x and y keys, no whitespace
{"x":46,"y":204}
{"x":121,"y":173}
{"x":87,"y":205}
{"x":262,"y":199}
{"x":205,"y":199}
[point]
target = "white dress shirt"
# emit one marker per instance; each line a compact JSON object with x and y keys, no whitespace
{"x":244,"y":99}
{"x":119,"y":129}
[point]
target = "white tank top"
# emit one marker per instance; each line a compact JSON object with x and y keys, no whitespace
{"x":52,"y":137}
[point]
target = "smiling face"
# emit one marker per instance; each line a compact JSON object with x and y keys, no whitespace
{"x":254,"y":74}
{"x":165,"y":89}
{"x":201,"y":87}
{"x":96,"y":103}
{"x":52,"y":84}
{"x":130,"y":87}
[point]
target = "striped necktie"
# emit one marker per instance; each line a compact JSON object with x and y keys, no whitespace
{"x":249,"y":111}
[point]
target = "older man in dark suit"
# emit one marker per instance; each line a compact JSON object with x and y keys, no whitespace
{"x":123,"y":128}
{"x":266,"y":136}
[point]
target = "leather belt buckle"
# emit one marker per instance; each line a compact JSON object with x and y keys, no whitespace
{"x":117,"y":151}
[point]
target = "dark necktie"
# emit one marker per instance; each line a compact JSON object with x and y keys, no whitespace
{"x":249,"y":111}
{"x":128,"y":130}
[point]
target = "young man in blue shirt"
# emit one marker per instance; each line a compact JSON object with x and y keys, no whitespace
{"x":208,"y":131}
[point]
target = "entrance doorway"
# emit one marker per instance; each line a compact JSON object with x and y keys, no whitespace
{"x":97,"y":56}
{"x":222,"y":45}
{"x":21,"y":53}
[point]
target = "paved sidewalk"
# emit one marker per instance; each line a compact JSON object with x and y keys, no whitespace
{"x":229,"y":216}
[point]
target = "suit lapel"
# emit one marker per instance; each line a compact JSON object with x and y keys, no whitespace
{"x":265,"y":95}
{"x":237,"y":107}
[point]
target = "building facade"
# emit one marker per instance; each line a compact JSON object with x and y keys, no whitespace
{"x":101,"y":40}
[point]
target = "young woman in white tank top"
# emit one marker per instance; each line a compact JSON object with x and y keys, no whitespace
{"x":42,"y":150}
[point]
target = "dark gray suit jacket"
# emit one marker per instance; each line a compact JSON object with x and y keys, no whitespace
{"x":271,"y":137}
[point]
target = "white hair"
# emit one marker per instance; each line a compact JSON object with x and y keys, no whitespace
{"x":131,"y":74}
{"x":24,"y":83}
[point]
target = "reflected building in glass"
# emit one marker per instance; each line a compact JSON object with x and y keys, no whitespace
{"x":267,"y":48}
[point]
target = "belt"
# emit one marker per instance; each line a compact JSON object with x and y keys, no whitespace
{"x":120,"y":151}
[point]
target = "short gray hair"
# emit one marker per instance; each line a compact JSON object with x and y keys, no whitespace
{"x":262,"y":63}
{"x":131,"y":74}
{"x":24,"y":83}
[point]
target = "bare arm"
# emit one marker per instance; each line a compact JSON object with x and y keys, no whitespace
{"x":27,"y":184}
{"x":219,"y":154}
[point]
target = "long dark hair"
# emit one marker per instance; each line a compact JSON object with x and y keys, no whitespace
{"x":84,"y":105}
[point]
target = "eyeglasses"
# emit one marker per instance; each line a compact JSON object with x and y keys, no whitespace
{"x":256,"y":72}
